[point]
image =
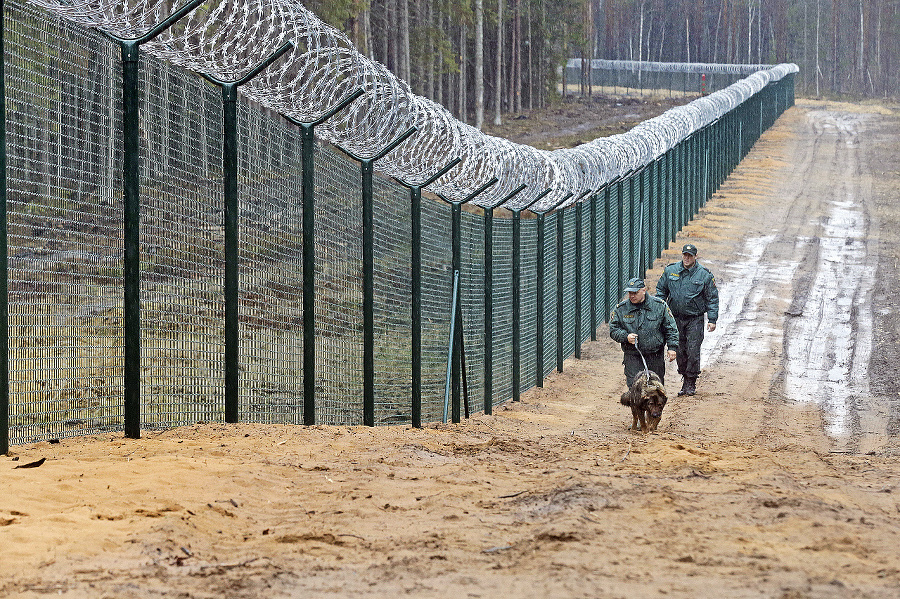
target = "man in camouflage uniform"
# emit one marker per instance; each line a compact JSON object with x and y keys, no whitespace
{"x":690,"y":290}
{"x":643,"y":323}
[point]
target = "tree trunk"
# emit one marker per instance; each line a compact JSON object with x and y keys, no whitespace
{"x":463,"y":83}
{"x":428,"y":57}
{"x":517,"y":64}
{"x":498,"y":119}
{"x":391,"y":40}
{"x":404,"y":40}
{"x":367,"y":32}
{"x":818,"y":24}
{"x":834,"y":47}
{"x":511,"y":62}
{"x":861,"y":63}
{"x":529,"y":43}
{"x":542,"y":69}
{"x":586,"y":50}
{"x":479,"y":64}
{"x":444,"y":24}
{"x":749,"y":32}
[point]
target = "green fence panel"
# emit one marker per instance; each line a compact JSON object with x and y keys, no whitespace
{"x":392,"y":303}
{"x":472,"y":287}
{"x":437,"y":289}
{"x":528,"y":315}
{"x":64,"y":215}
{"x":339,"y":298}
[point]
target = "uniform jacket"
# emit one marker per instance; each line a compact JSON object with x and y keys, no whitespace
{"x":689,"y":292}
{"x":651,"y":320}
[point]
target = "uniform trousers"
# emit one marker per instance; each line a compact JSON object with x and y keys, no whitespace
{"x":690,"y":336}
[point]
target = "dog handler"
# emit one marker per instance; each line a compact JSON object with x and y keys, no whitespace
{"x":646,"y":321}
{"x":690,"y":290}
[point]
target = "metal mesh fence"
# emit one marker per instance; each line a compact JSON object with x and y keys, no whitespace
{"x":472,"y":287}
{"x":568,"y":281}
{"x":613,"y":237}
{"x":437,"y":289}
{"x":339,"y":347}
{"x":502,"y":310}
{"x":65,"y":214}
{"x":181,"y":248}
{"x":603,"y":252}
{"x":393,"y":297}
{"x":271,"y":269}
{"x":64,"y":217}
{"x":528,"y":305}
{"x":585,"y":282}
{"x":550,"y":286}
{"x":666,"y":78}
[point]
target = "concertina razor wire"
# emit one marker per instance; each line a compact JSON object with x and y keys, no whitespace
{"x":228,"y":38}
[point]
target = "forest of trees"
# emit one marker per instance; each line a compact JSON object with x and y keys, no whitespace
{"x":448,"y":50}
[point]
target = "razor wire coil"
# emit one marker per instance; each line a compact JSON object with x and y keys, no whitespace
{"x":226,"y":39}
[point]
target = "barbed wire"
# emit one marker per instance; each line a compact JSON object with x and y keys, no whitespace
{"x":228,"y":38}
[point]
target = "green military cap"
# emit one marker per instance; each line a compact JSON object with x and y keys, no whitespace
{"x":635,"y":284}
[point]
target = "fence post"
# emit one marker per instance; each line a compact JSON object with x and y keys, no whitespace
{"x":456,"y":244}
{"x":594,"y":266}
{"x":539,"y":305}
{"x":4,"y":259}
{"x":415,"y":212}
{"x":367,"y":169}
{"x":488,"y":341}
{"x":307,"y":158}
{"x":579,"y":216}
{"x":131,"y":271}
{"x":560,"y":295}
{"x":230,"y":192}
{"x":489,"y":300}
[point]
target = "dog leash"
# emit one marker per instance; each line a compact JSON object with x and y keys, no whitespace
{"x":646,"y":370}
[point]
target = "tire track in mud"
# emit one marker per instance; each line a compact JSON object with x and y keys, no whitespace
{"x":828,"y":336}
{"x":817,"y":258}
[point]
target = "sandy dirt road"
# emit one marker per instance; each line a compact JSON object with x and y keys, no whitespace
{"x":779,"y":479}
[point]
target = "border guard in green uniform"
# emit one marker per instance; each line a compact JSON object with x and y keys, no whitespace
{"x":644,"y":325}
{"x":690,"y":290}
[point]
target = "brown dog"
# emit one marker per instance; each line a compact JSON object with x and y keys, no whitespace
{"x":647,"y":400}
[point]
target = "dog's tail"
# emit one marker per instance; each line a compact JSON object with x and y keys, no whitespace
{"x":625,"y":400}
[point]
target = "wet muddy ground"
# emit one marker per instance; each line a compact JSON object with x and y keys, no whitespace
{"x":779,"y":479}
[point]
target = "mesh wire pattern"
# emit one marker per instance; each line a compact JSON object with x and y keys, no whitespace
{"x":65,"y":214}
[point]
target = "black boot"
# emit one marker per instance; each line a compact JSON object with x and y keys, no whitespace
{"x":690,"y":385}
{"x":684,"y":388}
